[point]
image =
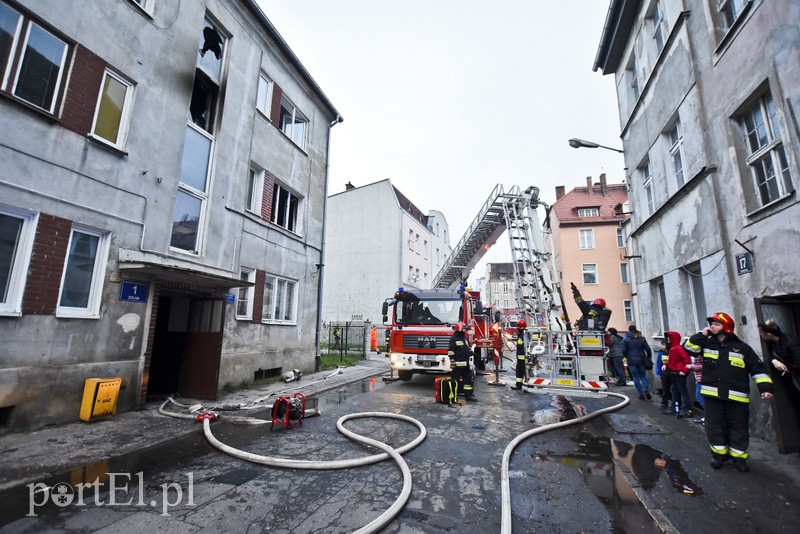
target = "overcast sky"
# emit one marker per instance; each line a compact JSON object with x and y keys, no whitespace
{"x":448,"y":98}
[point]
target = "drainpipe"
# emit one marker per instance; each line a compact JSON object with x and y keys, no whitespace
{"x":321,"y":264}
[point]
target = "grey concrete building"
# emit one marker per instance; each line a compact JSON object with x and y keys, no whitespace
{"x":162,"y":200}
{"x":501,"y":288}
{"x":378,"y":240}
{"x":708,"y":92}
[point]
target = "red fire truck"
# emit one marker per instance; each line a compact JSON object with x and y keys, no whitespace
{"x":421,"y":322}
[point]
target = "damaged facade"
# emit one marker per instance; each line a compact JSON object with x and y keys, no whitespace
{"x":161,"y":202}
{"x":708,"y":92}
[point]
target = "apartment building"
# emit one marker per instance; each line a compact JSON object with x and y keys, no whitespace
{"x":162,"y":201}
{"x":707,"y":93}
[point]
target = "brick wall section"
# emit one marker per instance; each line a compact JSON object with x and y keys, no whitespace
{"x":148,"y":351}
{"x":266,"y":196}
{"x":47,"y":265}
{"x":83,"y":89}
{"x":258,"y":296}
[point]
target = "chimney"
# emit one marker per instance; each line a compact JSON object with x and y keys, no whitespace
{"x":589,"y":184}
{"x":559,"y":192}
{"x":348,"y":186}
{"x":603,"y":184}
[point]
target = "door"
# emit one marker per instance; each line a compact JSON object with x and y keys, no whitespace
{"x":199,"y":376}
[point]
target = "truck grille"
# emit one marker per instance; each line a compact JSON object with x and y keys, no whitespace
{"x":415,"y":341}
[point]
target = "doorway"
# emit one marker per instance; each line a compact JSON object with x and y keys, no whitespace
{"x":786,"y":312}
{"x":187,"y":346}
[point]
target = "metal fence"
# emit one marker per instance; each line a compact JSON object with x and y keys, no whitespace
{"x":346,"y":338}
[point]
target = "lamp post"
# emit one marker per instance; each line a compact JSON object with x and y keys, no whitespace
{"x":580,"y":143}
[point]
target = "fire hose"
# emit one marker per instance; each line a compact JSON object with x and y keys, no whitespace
{"x":505,"y":484}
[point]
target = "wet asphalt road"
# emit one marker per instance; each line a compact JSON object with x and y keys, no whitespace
{"x":562,"y":481}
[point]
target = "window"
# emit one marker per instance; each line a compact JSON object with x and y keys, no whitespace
{"x":425,"y":249}
{"x":193,"y":187}
{"x":144,"y":4}
{"x":647,"y":184}
{"x":628,"y":307}
{"x":731,"y":9}
{"x":244,"y":299}
{"x":264,"y":95}
{"x":586,"y":239}
{"x":633,"y":77}
{"x":588,"y":212}
{"x":32,"y":60}
{"x":255,"y":185}
{"x":589,"y":273}
{"x":620,"y":237}
{"x":624,"y":274}
{"x":505,"y":287}
{"x":411,"y":240}
{"x":285,"y":209}
{"x":293,"y":123}
{"x":113,"y":109}
{"x":17,"y":230}
{"x":766,"y":154}
{"x":676,"y":151}
{"x":662,"y":305}
{"x":698,"y":295}
{"x":659,"y":26}
{"x":84,"y":272}
{"x":279,"y":300}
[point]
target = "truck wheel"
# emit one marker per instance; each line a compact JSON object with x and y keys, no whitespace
{"x":405,"y":376}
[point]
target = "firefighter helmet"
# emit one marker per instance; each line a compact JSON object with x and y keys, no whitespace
{"x":522,"y":324}
{"x":460,"y":326}
{"x":725,"y":319}
{"x":600,"y":302}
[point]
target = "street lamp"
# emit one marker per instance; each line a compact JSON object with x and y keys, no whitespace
{"x":580,"y":143}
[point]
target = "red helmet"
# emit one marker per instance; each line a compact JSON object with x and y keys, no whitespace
{"x":600,"y":302}
{"x":725,"y":319}
{"x":460,"y":326}
{"x":522,"y":324}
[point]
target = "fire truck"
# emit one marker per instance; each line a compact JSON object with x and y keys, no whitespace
{"x":421,"y":322}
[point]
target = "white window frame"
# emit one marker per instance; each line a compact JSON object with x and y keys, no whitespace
{"x":647,"y":185}
{"x":586,"y":238}
{"x":633,"y":74}
{"x":255,"y":191}
{"x":589,"y":269}
{"x":289,"y":119}
{"x":627,"y":306}
{"x":624,"y":273}
{"x":588,"y":212}
{"x":731,"y":10}
{"x":92,"y":308}
{"x":145,"y":5}
{"x":270,"y":305}
{"x":769,"y":154}
{"x":620,"y":237}
{"x":18,"y":268}
{"x":19,"y":47}
{"x":277,"y":192}
{"x":246,"y":275}
{"x":659,"y":26}
{"x":201,"y":195}
{"x":124,"y":119}
{"x":264,"y":95}
{"x":675,"y":135}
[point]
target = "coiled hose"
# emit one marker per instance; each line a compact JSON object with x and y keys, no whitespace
{"x":505,"y":485}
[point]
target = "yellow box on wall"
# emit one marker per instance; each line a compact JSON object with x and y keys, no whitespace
{"x":99,"y":398}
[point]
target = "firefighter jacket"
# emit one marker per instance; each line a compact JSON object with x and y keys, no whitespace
{"x":521,"y":346}
{"x":727,"y":367}
{"x":459,"y":350}
{"x":594,"y":317}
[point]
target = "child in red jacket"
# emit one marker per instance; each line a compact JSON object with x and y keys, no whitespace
{"x":677,"y":366}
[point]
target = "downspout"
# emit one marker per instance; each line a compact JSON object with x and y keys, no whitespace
{"x":321,"y":264}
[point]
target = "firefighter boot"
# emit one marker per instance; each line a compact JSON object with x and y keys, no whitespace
{"x":471,"y":398}
{"x":516,"y":387}
{"x":717,"y":461}
{"x":740,"y":464}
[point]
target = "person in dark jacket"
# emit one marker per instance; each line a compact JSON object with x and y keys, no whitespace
{"x":728,"y":364}
{"x":677,"y":366}
{"x":595,"y":315}
{"x":460,"y":353}
{"x":614,"y":344}
{"x":639,"y":356}
{"x":784,"y":351}
{"x":521,"y":356}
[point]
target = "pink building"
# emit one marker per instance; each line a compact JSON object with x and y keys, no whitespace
{"x":589,"y":242}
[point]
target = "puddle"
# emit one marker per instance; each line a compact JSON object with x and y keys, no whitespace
{"x":49,"y":503}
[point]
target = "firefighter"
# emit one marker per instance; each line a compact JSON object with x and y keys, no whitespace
{"x":496,"y":333}
{"x":595,"y":315}
{"x":521,"y":357}
{"x":373,"y":339}
{"x":459,"y":353}
{"x":728,"y":363}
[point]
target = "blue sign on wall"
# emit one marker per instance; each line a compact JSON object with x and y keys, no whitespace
{"x":744,"y":263}
{"x":132,"y":291}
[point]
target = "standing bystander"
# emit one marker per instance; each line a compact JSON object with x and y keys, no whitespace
{"x":677,"y":368}
{"x":639,"y":356}
{"x":614,"y":344}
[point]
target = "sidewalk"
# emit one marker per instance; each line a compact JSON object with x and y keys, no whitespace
{"x":34,"y":456}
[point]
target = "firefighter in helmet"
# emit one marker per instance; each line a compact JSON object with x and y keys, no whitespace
{"x":728,"y":364}
{"x":521,"y":357}
{"x":459,"y":353}
{"x":595,"y":315}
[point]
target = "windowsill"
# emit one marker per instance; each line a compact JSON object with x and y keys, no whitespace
{"x":99,"y":141}
{"x":74,"y":315}
{"x":242,"y":318}
{"x":10,"y":313}
{"x":278,"y":323}
{"x":756,"y":212}
{"x":30,"y":107}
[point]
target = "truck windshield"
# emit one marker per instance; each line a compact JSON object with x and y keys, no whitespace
{"x":429,"y":312}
